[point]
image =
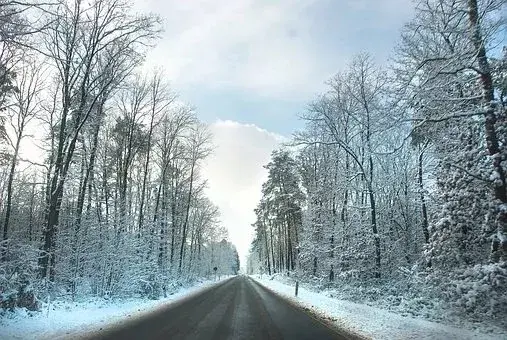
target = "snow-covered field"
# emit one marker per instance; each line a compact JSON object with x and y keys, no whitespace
{"x":68,"y":320}
{"x":372,"y":322}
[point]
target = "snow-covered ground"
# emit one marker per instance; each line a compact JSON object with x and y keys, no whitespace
{"x":68,"y":320}
{"x":372,"y":322}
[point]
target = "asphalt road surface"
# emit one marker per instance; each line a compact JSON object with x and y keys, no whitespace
{"x":238,"y":308}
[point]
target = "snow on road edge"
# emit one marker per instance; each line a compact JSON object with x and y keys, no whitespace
{"x":369,"y":321}
{"x":67,"y":319}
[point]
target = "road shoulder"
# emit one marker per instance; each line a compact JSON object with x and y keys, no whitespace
{"x":315,"y":314}
{"x":67,"y":320}
{"x":368,"y":321}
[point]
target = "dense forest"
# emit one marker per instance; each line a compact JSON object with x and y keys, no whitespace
{"x":115,"y":205}
{"x":395,"y":190}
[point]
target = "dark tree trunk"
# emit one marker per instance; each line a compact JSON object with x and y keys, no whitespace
{"x":145,"y":178}
{"x":375,"y":234}
{"x":162,"y":248}
{"x":315,"y":260}
{"x":272,"y":249}
{"x":8,"y":204}
{"x":267,"y":250}
{"x":47,"y":257}
{"x":422,"y":196}
{"x":88,"y":174}
{"x":30,"y":218}
{"x":499,"y":239}
{"x":187,"y":213}
{"x":174,"y":195}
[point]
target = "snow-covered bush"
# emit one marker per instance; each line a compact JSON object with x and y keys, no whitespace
{"x":17,"y":272}
{"x":480,"y":292}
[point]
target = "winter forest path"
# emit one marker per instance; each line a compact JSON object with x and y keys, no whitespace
{"x":238,"y":308}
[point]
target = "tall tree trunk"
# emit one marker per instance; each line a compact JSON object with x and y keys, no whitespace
{"x":30,"y":218}
{"x":162,"y":248}
{"x":187,"y":213}
{"x":373,"y":214}
{"x":81,"y":198}
{"x":174,"y":195}
{"x":499,"y":239}
{"x":267,"y":249}
{"x":47,"y":257}
{"x":8,"y":204}
{"x":145,"y":177}
{"x":63,"y":160}
{"x":331,"y":241}
{"x":272,"y":249}
{"x":422,"y":197}
{"x":289,"y":245}
{"x":371,"y":194}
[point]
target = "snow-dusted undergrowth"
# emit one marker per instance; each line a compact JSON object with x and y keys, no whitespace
{"x":368,"y":317}
{"x":65,"y":319}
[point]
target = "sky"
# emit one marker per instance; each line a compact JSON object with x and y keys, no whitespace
{"x":249,"y":67}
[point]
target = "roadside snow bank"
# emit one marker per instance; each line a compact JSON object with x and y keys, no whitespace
{"x":70,"y":319}
{"x":372,"y":322}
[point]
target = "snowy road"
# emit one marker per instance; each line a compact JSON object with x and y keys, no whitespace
{"x":239,"y":308}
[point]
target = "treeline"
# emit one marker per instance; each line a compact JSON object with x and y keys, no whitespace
{"x":398,"y":179}
{"x":116,"y":204}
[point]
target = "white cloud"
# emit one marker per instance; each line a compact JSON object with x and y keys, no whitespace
{"x":235,"y":174}
{"x":269,"y":47}
{"x":257,"y":45}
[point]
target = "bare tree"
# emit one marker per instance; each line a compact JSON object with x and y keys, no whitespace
{"x":160,"y":98}
{"x":198,"y":145}
{"x":79,"y":36}
{"x":29,"y":85}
